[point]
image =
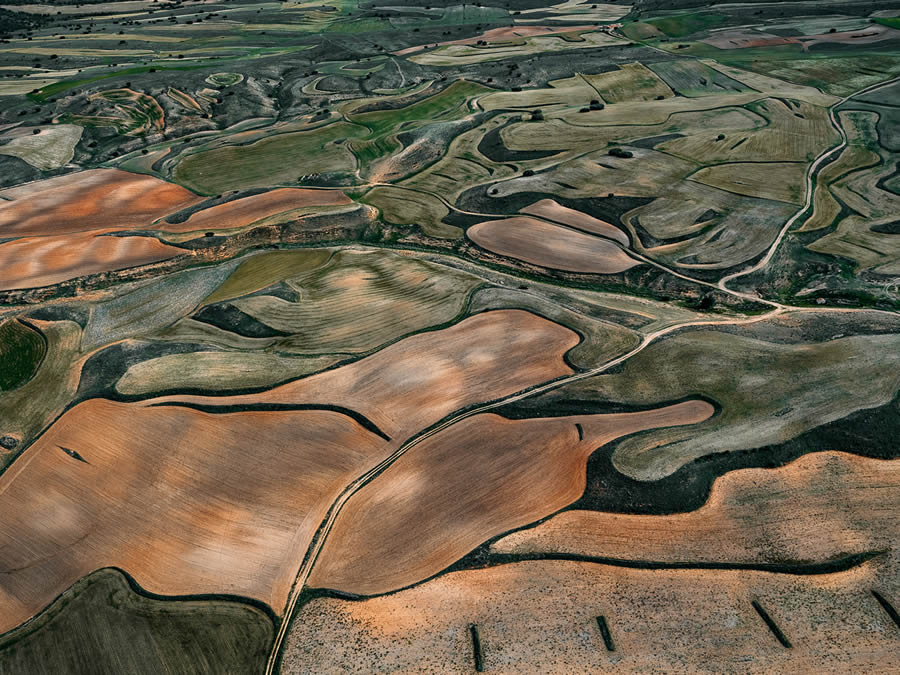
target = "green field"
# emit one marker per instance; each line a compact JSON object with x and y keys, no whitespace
{"x":101,"y":624}
{"x":241,"y":167}
{"x":22,"y":349}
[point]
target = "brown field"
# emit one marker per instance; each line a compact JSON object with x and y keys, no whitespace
{"x":41,"y":261}
{"x":822,"y":505}
{"x":248,"y":210}
{"x":417,"y":381}
{"x":97,"y":199}
{"x":552,"y":210}
{"x":185,"y":501}
{"x":541,"y":617}
{"x":426,"y":511}
{"x":548,"y":245}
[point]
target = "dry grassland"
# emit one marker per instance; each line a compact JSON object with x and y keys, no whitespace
{"x":812,"y":510}
{"x":783,"y":182}
{"x":50,"y":149}
{"x":795,"y":132}
{"x":578,"y":131}
{"x":541,"y":616}
{"x":359,"y":300}
{"x":631,"y":82}
{"x":26,"y":410}
{"x":465,"y":55}
{"x":216,"y":371}
{"x":860,"y":126}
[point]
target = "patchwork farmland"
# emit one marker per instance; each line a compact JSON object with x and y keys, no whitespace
{"x":402,"y":336}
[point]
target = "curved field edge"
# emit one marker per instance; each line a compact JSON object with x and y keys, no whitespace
{"x":23,"y":348}
{"x":105,"y":622}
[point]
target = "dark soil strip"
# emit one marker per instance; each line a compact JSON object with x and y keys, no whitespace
{"x":887,"y":228}
{"x":361,"y":419}
{"x":230,"y":318}
{"x":832,"y":566}
{"x":868,"y":433}
{"x":181,"y":216}
{"x":492,"y":147}
{"x":651,"y":142}
{"x":478,"y":198}
{"x":580,"y":430}
{"x":477,"y":652}
{"x":607,"y":636}
{"x":776,"y":631}
{"x":888,"y":607}
{"x":73,"y":454}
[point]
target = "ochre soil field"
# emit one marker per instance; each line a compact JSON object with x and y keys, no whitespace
{"x":98,"y":199}
{"x":429,"y":509}
{"x":248,"y":210}
{"x":553,"y":210}
{"x":541,"y":243}
{"x":415,"y":382}
{"x":541,"y":616}
{"x":189,"y":501}
{"x":185,"y":501}
{"x":820,"y":506}
{"x":41,"y":261}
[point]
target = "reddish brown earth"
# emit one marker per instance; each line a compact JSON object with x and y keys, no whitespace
{"x":472,"y":481}
{"x":248,"y":210}
{"x":552,"y":210}
{"x":193,"y":502}
{"x":98,"y":199}
{"x":551,"y":246}
{"x":185,"y":501}
{"x":31,"y":262}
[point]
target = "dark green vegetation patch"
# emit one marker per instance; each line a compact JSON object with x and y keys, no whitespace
{"x":22,"y":349}
{"x":102,"y":624}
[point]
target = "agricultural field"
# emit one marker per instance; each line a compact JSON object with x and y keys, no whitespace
{"x":544,"y":336}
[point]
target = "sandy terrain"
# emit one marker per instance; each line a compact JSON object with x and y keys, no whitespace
{"x":41,"y":261}
{"x":185,"y":501}
{"x":541,"y":617}
{"x":248,"y":210}
{"x":431,"y":508}
{"x":548,"y":245}
{"x":98,"y":199}
{"x":820,"y":506}
{"x":552,"y":210}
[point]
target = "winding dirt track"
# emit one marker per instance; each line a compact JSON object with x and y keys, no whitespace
{"x":810,"y":191}
{"x":778,"y":308}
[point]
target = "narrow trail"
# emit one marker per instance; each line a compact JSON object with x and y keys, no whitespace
{"x":810,"y":185}
{"x":334,"y":511}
